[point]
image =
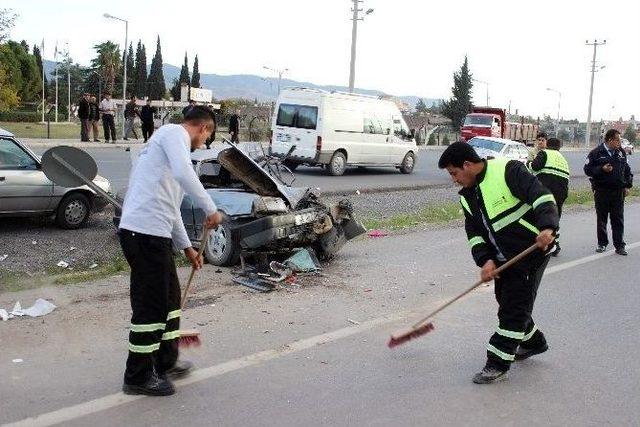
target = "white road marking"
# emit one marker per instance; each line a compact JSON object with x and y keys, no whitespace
{"x":113,"y":400}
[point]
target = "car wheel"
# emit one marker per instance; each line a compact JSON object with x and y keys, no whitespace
{"x":338,"y":164}
{"x":73,"y":211}
{"x":221,"y":249}
{"x":408,"y":163}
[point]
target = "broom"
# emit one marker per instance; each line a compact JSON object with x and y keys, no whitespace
{"x":422,"y":327}
{"x":191,"y":337}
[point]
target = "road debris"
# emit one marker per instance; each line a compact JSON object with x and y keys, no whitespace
{"x":3,"y":257}
{"x":33,"y":242}
{"x":63,"y":264}
{"x":17,"y":360}
{"x":353,"y":322}
{"x":40,"y":307}
{"x":303,"y":261}
{"x":92,"y":266}
{"x":377,"y":233}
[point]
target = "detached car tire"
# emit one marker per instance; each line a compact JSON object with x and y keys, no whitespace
{"x":73,"y":211}
{"x":408,"y":163}
{"x":222,"y":250}
{"x":338,"y":164}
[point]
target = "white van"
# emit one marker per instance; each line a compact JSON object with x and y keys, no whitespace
{"x":336,"y":130}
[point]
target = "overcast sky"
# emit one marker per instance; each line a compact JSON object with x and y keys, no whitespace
{"x":406,"y":47}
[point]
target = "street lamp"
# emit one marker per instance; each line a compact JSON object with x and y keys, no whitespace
{"x":559,"y":99}
{"x":485,"y":83}
{"x":354,"y":35}
{"x":595,"y":45}
{"x":280,"y":73}
{"x":124,"y":66}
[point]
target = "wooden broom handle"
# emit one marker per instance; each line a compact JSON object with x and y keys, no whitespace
{"x":203,"y":243}
{"x":498,"y":270}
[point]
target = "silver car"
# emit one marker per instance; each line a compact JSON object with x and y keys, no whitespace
{"x":490,"y":147}
{"x":26,"y":191}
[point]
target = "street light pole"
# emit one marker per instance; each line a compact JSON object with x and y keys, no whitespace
{"x":280,"y":72}
{"x":124,"y":66}
{"x":354,"y":36}
{"x":559,"y":99}
{"x":595,"y":45}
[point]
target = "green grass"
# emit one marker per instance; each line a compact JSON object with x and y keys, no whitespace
{"x":61,"y":130}
{"x":450,"y":211}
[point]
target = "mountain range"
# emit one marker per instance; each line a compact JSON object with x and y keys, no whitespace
{"x":251,"y":86}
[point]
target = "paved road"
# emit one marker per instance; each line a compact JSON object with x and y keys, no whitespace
{"x":114,"y":163}
{"x":293,"y":358}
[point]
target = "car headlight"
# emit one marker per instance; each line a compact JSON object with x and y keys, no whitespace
{"x":103,"y":183}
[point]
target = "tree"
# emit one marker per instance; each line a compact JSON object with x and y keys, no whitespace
{"x":195,"y":76}
{"x":8,"y":94}
{"x":38,"y":56}
{"x":459,"y":105}
{"x":21,"y":70}
{"x":108,"y":64}
{"x":141,"y":71}
{"x":630,"y":134}
{"x":131,"y":70}
{"x":184,"y":78}
{"x":7,"y":20}
{"x":156,"y":88}
{"x":421,"y":107}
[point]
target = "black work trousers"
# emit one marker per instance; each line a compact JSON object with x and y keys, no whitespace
{"x":147,"y":130}
{"x":109,"y":127}
{"x":155,"y":302}
{"x":516,"y":291}
{"x":610,"y":203}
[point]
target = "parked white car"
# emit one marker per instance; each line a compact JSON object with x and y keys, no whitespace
{"x":336,"y":130}
{"x":490,"y":147}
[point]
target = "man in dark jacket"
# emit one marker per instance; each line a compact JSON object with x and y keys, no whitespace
{"x":234,"y":126}
{"x":94,"y":117}
{"x":130,"y":113}
{"x":146,"y":117}
{"x":506,"y":210}
{"x":552,"y":170}
{"x":611,"y":179}
{"x":83,"y":115}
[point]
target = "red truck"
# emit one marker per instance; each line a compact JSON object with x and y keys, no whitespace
{"x":489,"y":121}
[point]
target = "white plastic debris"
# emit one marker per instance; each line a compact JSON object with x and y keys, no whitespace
{"x":63,"y":264}
{"x":17,"y":360}
{"x":3,"y":257}
{"x":4,"y":315}
{"x":39,"y":308}
{"x":72,"y":248}
{"x":33,"y":242}
{"x":17,"y":310}
{"x":92,"y":266}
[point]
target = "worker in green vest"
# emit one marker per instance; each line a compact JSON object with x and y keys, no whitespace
{"x":506,"y":210}
{"x":552,"y":170}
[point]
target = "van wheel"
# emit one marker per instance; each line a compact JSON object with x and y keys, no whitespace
{"x":337,"y":164}
{"x":73,"y":211}
{"x":408,"y":163}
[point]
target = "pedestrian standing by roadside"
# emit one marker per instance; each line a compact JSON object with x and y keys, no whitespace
{"x":151,"y":224}
{"x":506,"y":210}
{"x":552,"y":170}
{"x":146,"y":118}
{"x":83,"y":115}
{"x":108,"y":110}
{"x":234,"y":126}
{"x":186,"y":109}
{"x":130,"y":113}
{"x":94,"y":117}
{"x":611,"y":179}
{"x":539,"y":144}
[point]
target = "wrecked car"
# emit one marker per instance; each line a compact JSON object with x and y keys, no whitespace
{"x":262,"y":214}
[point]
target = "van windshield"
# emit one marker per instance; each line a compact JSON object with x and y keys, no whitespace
{"x":477,"y":121}
{"x":297,"y":116}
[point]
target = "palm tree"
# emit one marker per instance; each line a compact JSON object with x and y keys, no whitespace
{"x":107,"y":63}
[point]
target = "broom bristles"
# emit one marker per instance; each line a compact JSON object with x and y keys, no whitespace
{"x":189,"y":338}
{"x":406,"y":336}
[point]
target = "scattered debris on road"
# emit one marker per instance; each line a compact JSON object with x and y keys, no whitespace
{"x":3,"y":257}
{"x":63,"y":264}
{"x":40,"y":307}
{"x":377,"y":233}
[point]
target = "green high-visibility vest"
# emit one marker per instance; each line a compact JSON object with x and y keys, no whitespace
{"x":556,"y":164}
{"x":498,"y":199}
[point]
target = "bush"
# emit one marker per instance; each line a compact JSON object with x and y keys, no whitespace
{"x":21,"y":116}
{"x":445,"y":140}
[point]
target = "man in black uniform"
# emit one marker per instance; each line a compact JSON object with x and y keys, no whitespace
{"x":611,"y":179}
{"x":146,"y":119}
{"x":506,"y":210}
{"x":552,"y":170}
{"x":234,"y":126}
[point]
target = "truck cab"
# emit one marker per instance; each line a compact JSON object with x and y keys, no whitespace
{"x":483,"y":121}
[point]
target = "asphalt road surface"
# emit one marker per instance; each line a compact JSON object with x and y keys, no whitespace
{"x":114,"y":164}
{"x":316,"y":355}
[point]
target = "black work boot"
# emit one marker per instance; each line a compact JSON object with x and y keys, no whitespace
{"x":489,"y":375}
{"x":155,"y":386}
{"x":525,"y":353}
{"x":182,"y":368}
{"x":621,"y":251}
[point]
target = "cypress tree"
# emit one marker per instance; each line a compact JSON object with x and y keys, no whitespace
{"x":141,"y":71}
{"x":131,"y":72}
{"x":460,"y":103}
{"x":195,"y":76}
{"x":156,"y":86}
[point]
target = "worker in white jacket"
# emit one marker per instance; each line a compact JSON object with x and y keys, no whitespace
{"x":150,"y":225}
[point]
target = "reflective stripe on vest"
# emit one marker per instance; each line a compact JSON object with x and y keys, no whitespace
{"x":497,"y":196}
{"x":556,"y":164}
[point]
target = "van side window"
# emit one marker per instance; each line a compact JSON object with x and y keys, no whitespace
{"x":399,"y":128}
{"x":373,"y":125}
{"x":297,"y":116}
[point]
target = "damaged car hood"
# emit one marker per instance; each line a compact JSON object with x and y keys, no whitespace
{"x":244,"y":168}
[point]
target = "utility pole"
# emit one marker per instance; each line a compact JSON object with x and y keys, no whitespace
{"x":559,"y":99}
{"x":280,"y":72}
{"x":354,"y":36}
{"x":55,"y":56}
{"x":124,"y":65}
{"x":595,"y":45}
{"x":42,"y":56}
